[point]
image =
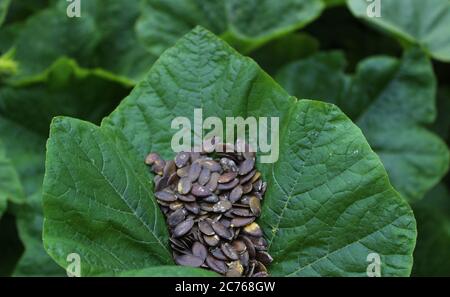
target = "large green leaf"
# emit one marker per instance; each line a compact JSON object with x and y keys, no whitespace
{"x":34,"y":261}
{"x":392,"y":101}
{"x":10,"y":186}
{"x":4,"y":5}
{"x":169,"y":271}
{"x":102,"y":37}
{"x":329,"y":202}
{"x":426,"y":23}
{"x":25,"y":114}
{"x":244,"y":24}
{"x":431,"y":256}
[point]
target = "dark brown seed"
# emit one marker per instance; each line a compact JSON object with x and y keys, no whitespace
{"x":205,"y":228}
{"x":235,"y":269}
{"x":211,"y":199}
{"x":244,"y":258}
{"x":173,"y":179}
{"x":245,"y":199}
{"x":161,"y":182}
{"x":222,"y":206}
{"x":176,"y":205}
{"x":257,"y":185}
{"x":213,"y":166}
{"x":263,"y":188}
{"x":255,"y":177}
{"x":227,"y":177}
{"x":242,"y":212}
{"x":228,"y":186}
{"x":264,"y":257}
{"x":192,"y":207}
{"x":247,"y":177}
{"x":259,"y":241}
{"x":225,"y":222}
{"x":259,"y":267}
{"x":251,"y":268}
{"x":199,"y":250}
{"x":217,"y":253}
{"x":212,"y":184}
{"x":206,"y":207}
{"x":194,"y":171}
{"x":250,"y":246}
{"x":217,"y":265}
{"x":151,"y":158}
{"x":158,"y":168}
{"x":186,"y":198}
{"x":253,"y":229}
{"x":255,"y":206}
{"x":204,"y":176}
{"x":241,"y":222}
{"x":176,"y":217}
{"x":221,"y":230}
{"x":181,"y":159}
{"x":184,"y":185}
{"x":200,"y":191}
{"x":183,"y":228}
{"x":211,"y":240}
{"x":236,"y":194}
{"x":239,"y":246}
{"x":189,"y":260}
{"x":229,"y":251}
{"x":169,"y":168}
{"x":183,"y":172}
{"x":247,"y":188}
{"x":165,"y":196}
{"x":229,"y":164}
{"x":246,"y":166}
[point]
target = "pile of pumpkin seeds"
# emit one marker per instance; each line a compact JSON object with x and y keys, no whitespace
{"x":211,"y":200}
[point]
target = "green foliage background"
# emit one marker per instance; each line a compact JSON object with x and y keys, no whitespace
{"x":389,"y":75}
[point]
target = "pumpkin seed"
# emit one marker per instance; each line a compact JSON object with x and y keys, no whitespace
{"x":229,"y":251}
{"x":227,"y":177}
{"x":222,"y":206}
{"x":228,"y":186}
{"x":176,"y":217}
{"x":216,"y":265}
{"x":200,"y":191}
{"x":165,"y":196}
{"x":199,"y":250}
{"x":194,"y":171}
{"x":255,"y":206}
{"x":211,"y":240}
{"x":204,"y":176}
{"x":205,"y":228}
{"x":221,"y":230}
{"x":189,"y":260}
{"x":151,"y":158}
{"x":183,"y":228}
{"x":241,"y":222}
{"x":252,"y":229}
{"x":184,"y":185}
{"x":246,"y":166}
{"x":236,"y":194}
